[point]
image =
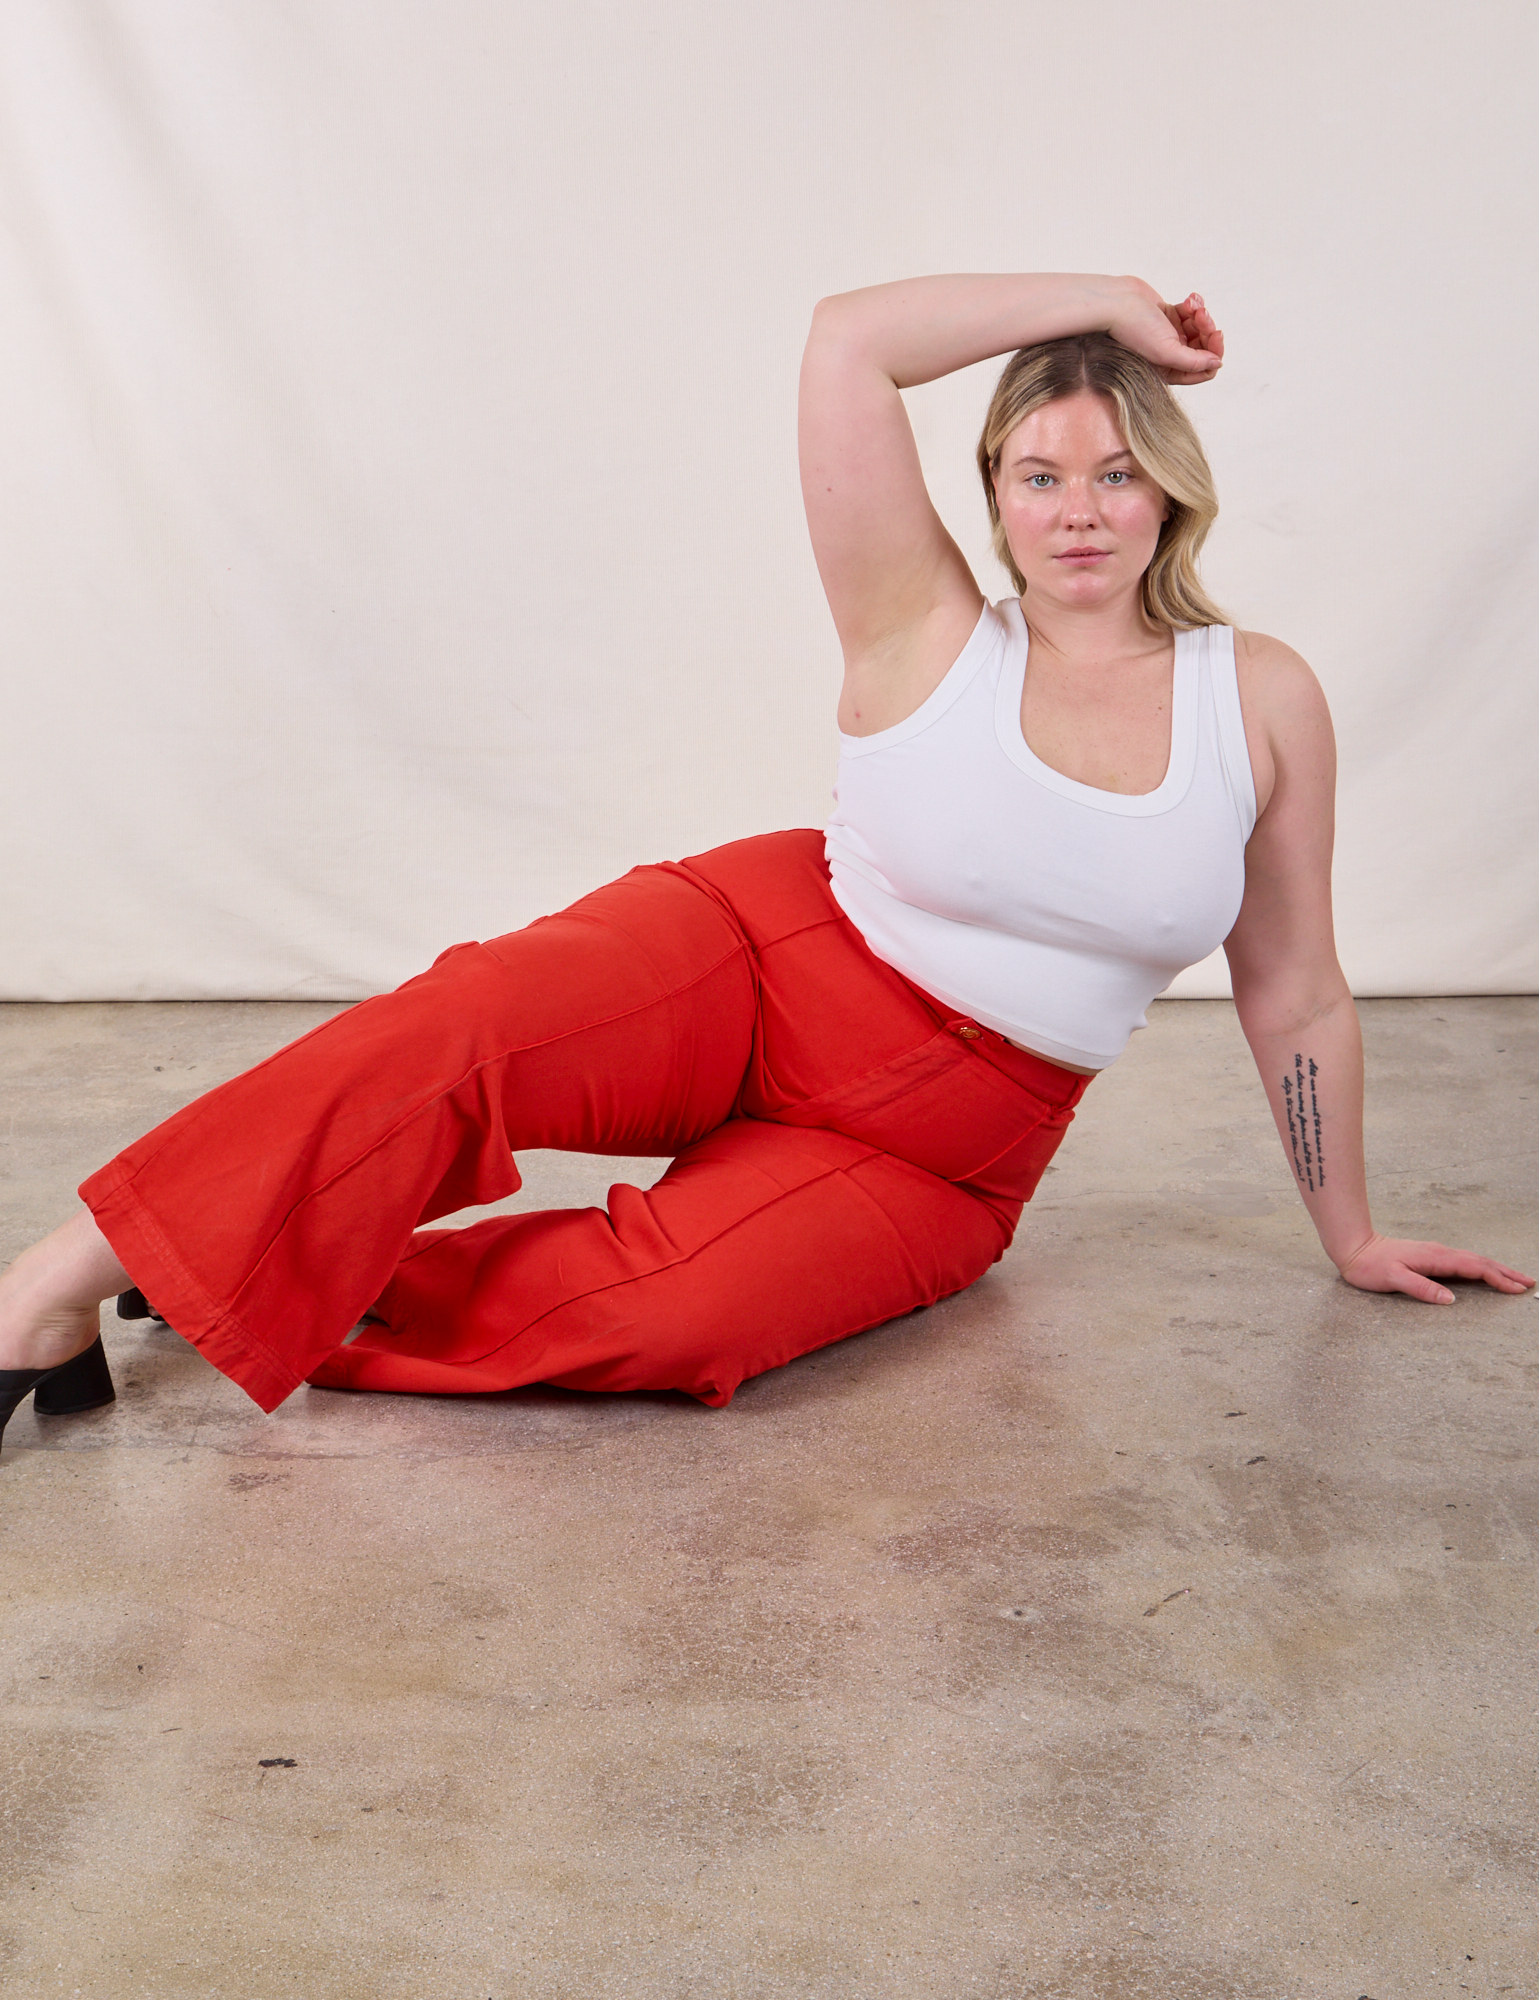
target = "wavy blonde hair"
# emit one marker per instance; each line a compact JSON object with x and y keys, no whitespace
{"x":1158,"y":434}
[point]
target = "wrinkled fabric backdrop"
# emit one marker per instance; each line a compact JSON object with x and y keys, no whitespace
{"x":401,"y":530}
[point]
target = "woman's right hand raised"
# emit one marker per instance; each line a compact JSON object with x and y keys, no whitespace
{"x":901,"y":592}
{"x":1181,"y":341}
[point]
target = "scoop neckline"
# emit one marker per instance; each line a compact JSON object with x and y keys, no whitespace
{"x":1177,"y":780}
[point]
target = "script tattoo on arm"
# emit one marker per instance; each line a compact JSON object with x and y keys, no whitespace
{"x":1301,"y":1096}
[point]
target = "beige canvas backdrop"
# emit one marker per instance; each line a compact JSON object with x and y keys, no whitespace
{"x":401,"y":531}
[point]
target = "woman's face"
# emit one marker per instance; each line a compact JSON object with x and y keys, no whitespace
{"x":1081,"y":518}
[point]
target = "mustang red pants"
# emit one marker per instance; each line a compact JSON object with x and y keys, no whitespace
{"x":843,"y":1151}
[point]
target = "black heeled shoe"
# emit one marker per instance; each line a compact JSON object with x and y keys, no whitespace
{"x":132,"y":1304}
{"x":82,"y":1383}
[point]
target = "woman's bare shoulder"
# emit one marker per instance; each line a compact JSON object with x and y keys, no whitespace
{"x":1287,"y":724}
{"x":1278,"y":682}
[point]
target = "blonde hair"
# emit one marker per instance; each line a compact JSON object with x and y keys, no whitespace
{"x":1159,"y":436}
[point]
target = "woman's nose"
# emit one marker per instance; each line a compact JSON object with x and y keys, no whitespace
{"x":1079,"y":505}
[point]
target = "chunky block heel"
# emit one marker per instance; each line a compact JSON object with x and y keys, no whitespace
{"x":132,"y":1304}
{"x":82,"y":1383}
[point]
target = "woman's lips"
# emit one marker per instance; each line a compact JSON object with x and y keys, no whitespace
{"x":1082,"y":556}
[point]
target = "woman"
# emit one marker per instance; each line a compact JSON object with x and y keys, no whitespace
{"x":861,"y":1063}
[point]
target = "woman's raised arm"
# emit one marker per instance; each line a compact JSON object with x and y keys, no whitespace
{"x":897,"y":584}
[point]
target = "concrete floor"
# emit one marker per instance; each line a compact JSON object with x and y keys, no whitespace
{"x":1156,"y":1618}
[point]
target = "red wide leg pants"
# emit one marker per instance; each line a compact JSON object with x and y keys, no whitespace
{"x":843,"y":1151}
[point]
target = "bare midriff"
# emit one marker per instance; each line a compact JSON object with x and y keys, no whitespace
{"x":1073,"y":1068}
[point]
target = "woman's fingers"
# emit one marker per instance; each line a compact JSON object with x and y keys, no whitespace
{"x":1190,"y":362}
{"x":1167,"y":336}
{"x":1202,"y":333}
{"x":1388,"y":1265}
{"x":1503,"y":1279}
{"x":1446,"y":1263}
{"x":1196,"y":326}
{"x":1416,"y":1286}
{"x":1184,"y":353}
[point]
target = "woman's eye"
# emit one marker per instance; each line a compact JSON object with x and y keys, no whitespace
{"x":1040,"y":481}
{"x":1119,"y":478}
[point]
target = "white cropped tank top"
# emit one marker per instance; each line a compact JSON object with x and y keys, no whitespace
{"x":1051,"y":911}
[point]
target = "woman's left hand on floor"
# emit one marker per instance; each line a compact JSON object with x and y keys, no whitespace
{"x":1392,"y":1264}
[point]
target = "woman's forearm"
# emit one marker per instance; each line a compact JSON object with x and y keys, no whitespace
{"x":1313,"y":1075}
{"x":922,"y":328}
